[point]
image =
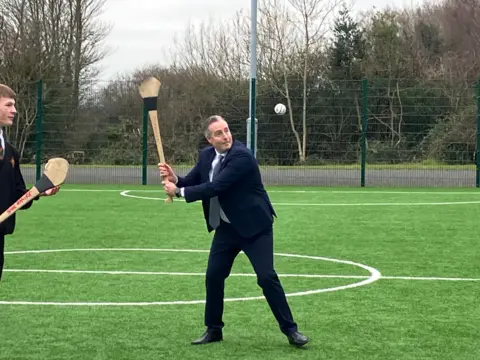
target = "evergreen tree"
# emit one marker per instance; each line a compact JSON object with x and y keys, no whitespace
{"x":348,"y":48}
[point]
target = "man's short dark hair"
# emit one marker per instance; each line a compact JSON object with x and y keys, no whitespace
{"x":210,"y":120}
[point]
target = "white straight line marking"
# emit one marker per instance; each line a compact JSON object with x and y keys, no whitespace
{"x":303,"y":191}
{"x":99,"y":190}
{"x":153,"y":303}
{"x":115,"y":272}
{"x":381,"y":204}
{"x":427,"y":278}
{"x":126,"y":194}
{"x":105,"y":249}
{"x":378,"y":192}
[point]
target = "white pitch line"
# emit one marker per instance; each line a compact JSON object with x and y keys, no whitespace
{"x":100,"y":190}
{"x":104,"y":249}
{"x":380,"y":204}
{"x":118,"y":304}
{"x":427,"y":278}
{"x":366,"y":192}
{"x":178,"y":273}
{"x":126,"y":194}
{"x":115,"y":272}
{"x":374,"y":276}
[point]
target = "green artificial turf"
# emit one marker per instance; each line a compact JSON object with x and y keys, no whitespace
{"x":394,"y":275}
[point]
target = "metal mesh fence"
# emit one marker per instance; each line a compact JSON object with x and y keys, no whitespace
{"x":375,"y":132}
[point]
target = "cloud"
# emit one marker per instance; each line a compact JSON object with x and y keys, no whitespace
{"x":143,"y":30}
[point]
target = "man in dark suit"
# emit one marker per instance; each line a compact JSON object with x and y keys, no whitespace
{"x":227,"y":180}
{"x":12,"y":185}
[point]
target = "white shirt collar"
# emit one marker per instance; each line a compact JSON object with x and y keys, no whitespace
{"x":2,"y":140}
{"x":220,"y":154}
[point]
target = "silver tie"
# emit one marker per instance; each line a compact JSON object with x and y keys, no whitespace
{"x":214,"y":210}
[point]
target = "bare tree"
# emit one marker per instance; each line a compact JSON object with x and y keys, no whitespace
{"x":288,"y":36}
{"x":21,"y":62}
{"x":387,"y":62}
{"x":219,"y":48}
{"x":58,"y":41}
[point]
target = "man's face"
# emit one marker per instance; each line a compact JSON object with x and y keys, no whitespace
{"x":7,"y":111}
{"x":220,"y":136}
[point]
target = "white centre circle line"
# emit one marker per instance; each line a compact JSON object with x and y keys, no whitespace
{"x":374,"y":276}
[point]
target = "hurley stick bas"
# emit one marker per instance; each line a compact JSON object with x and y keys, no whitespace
{"x":149,"y":89}
{"x":54,"y":175}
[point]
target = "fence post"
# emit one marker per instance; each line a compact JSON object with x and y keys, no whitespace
{"x":251,"y":141}
{"x":364,"y":129}
{"x":145,"y":146}
{"x":477,"y":157}
{"x":38,"y":130}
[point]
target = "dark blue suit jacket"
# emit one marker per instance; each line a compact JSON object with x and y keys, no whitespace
{"x":238,"y":186}
{"x":12,"y":187}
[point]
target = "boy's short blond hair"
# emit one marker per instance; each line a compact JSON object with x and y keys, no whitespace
{"x":6,"y":92}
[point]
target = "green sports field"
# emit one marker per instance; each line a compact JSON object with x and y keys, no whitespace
{"x":115,"y":273}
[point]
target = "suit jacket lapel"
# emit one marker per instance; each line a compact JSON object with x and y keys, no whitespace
{"x":232,"y":149}
{"x":222,"y":165}
{"x":6,"y":155}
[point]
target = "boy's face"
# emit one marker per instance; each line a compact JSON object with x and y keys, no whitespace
{"x":7,"y":111}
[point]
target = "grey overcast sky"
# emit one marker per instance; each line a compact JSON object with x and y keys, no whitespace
{"x":142,"y":30}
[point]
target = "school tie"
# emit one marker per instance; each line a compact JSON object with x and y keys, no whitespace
{"x":214,"y":210}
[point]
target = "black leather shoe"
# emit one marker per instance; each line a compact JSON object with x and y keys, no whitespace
{"x":208,"y":337}
{"x":297,"y":339}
